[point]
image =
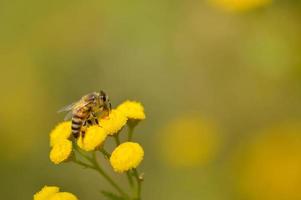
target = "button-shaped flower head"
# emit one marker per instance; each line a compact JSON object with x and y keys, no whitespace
{"x":126,"y":156}
{"x":132,"y":110}
{"x":93,"y":138}
{"x":114,"y":122}
{"x":61,"y":151}
{"x":61,"y":132}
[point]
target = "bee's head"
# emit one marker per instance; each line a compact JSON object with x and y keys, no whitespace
{"x":91,"y":98}
{"x":104,"y":98}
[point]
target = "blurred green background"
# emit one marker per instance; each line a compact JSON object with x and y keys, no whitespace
{"x":219,"y":79}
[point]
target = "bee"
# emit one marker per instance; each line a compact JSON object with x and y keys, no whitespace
{"x":85,"y":111}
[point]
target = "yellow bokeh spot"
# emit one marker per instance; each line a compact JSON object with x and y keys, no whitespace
{"x":94,"y":137}
{"x":52,"y":193}
{"x":114,"y":122}
{"x":46,"y":192}
{"x":132,"y":110}
{"x":126,"y":156}
{"x":239,"y":5}
{"x":61,"y":151}
{"x":270,"y":166}
{"x":188,"y":142}
{"x":61,"y":132}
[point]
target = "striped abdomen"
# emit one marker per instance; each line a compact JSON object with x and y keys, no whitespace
{"x":78,"y":119}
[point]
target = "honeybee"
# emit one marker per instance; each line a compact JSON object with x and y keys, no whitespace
{"x":85,"y":111}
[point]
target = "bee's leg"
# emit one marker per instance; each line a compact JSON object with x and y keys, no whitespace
{"x":83,"y":134}
{"x":83,"y":130}
{"x":95,"y":118}
{"x":96,"y":121}
{"x":89,"y":121}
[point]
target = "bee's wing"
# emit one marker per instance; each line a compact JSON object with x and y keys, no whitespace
{"x":68,"y":116}
{"x":67,"y":108}
{"x":70,"y":108}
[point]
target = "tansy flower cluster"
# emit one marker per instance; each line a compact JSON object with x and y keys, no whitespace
{"x":84,"y":150}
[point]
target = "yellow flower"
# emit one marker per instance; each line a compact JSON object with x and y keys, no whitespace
{"x":61,"y":132}
{"x":114,"y":122}
{"x":61,"y":151}
{"x":46,"y":192}
{"x":132,"y":110}
{"x":52,"y":193}
{"x":63,"y":196}
{"x":126,"y":156}
{"x":239,"y":5}
{"x":94,"y":137}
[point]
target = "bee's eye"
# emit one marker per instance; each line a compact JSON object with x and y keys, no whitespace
{"x":103,"y":98}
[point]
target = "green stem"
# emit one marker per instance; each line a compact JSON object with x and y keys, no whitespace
{"x":130,"y":179}
{"x":107,"y":177}
{"x":139,"y":181}
{"x":94,"y":165}
{"x":130,"y":133}
{"x":106,"y":154}
{"x":110,"y":180}
{"x":117,"y":140}
{"x":131,"y":126}
{"x":79,"y":151}
{"x":83,"y":164}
